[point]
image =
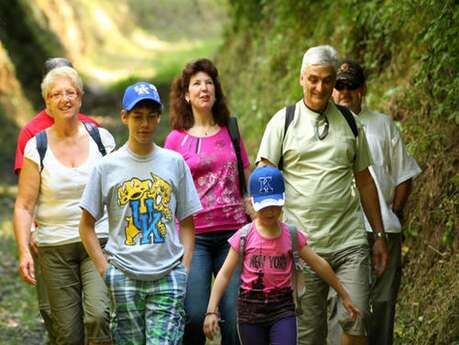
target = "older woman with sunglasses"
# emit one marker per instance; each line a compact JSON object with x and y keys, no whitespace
{"x":50,"y":187}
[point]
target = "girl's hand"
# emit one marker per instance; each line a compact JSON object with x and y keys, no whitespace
{"x":211,"y":325}
{"x":351,"y":308}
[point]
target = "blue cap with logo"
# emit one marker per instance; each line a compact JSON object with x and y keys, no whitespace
{"x":266,"y":187}
{"x":138,"y":92}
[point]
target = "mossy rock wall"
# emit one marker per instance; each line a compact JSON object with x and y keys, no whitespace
{"x":410,"y":50}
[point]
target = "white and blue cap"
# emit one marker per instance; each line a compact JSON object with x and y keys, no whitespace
{"x":139,"y":92}
{"x":266,"y":187}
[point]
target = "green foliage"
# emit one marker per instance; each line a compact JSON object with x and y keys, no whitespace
{"x":410,"y":52}
{"x":29,"y":43}
{"x":156,"y":16}
{"x":19,"y":318}
{"x":8,"y":134}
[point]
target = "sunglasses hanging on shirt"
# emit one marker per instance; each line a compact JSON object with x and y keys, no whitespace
{"x":321,"y":127}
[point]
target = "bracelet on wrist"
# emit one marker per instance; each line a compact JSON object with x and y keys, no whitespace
{"x":216,"y":313}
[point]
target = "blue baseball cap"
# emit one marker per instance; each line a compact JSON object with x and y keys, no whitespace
{"x":266,"y":187}
{"x":138,"y":92}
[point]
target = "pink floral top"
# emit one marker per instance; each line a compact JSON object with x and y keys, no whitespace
{"x":213,"y":164}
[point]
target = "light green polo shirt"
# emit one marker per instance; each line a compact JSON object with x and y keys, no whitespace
{"x":321,"y":197}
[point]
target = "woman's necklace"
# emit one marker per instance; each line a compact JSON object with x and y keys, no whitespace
{"x":204,"y":131}
{"x":208,"y":129}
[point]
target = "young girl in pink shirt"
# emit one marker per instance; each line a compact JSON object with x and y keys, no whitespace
{"x":266,"y":309}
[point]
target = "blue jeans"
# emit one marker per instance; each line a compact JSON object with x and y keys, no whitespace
{"x":210,"y":252}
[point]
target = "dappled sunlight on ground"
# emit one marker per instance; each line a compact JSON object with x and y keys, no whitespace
{"x":20,"y":322}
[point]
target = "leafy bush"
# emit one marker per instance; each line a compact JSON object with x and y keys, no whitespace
{"x":410,"y":51}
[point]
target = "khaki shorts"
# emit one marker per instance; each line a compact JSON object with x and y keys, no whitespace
{"x":352,"y":267}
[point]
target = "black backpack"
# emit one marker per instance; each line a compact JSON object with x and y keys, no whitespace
{"x":42,"y":141}
{"x":233,"y":130}
{"x":290,"y":113}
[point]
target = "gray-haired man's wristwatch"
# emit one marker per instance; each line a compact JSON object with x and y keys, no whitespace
{"x":380,"y":234}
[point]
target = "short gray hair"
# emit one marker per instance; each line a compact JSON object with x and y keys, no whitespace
{"x":320,"y":55}
{"x":61,"y":72}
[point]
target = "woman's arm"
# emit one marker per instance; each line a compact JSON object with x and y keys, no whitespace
{"x":187,"y":238}
{"x":221,"y":282}
{"x":91,"y":242}
{"x":323,"y":269}
{"x":29,"y":186}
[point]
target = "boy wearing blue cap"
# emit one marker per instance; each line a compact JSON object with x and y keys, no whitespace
{"x":145,"y":263}
{"x":266,"y":309}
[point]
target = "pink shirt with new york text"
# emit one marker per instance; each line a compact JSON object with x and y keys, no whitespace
{"x":267,"y":262}
{"x":213,"y":165}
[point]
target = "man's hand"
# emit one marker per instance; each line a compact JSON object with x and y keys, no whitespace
{"x":380,"y":255}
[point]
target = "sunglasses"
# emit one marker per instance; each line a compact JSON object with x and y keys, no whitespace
{"x":340,"y":86}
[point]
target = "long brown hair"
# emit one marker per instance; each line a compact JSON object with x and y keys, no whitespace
{"x":180,"y":113}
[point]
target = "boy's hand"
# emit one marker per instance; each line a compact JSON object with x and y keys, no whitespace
{"x":351,"y":309}
{"x":211,"y":326}
{"x":102,"y":268}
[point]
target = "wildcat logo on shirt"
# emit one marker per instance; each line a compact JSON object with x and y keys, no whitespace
{"x":149,"y":202}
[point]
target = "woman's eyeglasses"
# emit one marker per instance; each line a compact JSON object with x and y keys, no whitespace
{"x":57,"y":96}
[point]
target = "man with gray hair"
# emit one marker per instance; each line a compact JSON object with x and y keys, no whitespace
{"x":322,"y":148}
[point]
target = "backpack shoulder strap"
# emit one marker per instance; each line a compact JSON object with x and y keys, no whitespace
{"x":42,"y":146}
{"x":289,"y":114}
{"x":233,"y":130}
{"x":242,"y":241}
{"x":297,"y":265}
{"x":296,"y":255}
{"x":349,"y":119}
{"x":95,"y":135}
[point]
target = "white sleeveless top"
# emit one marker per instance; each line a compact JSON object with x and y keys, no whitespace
{"x":57,"y":212}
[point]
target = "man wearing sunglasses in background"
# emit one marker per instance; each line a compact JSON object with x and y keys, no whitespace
{"x":393,"y":169}
{"x":321,"y":156}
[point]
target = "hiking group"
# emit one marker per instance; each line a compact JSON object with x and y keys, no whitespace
{"x":150,"y":245}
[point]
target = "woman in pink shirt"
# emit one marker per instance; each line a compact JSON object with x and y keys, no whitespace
{"x":199,"y":118}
